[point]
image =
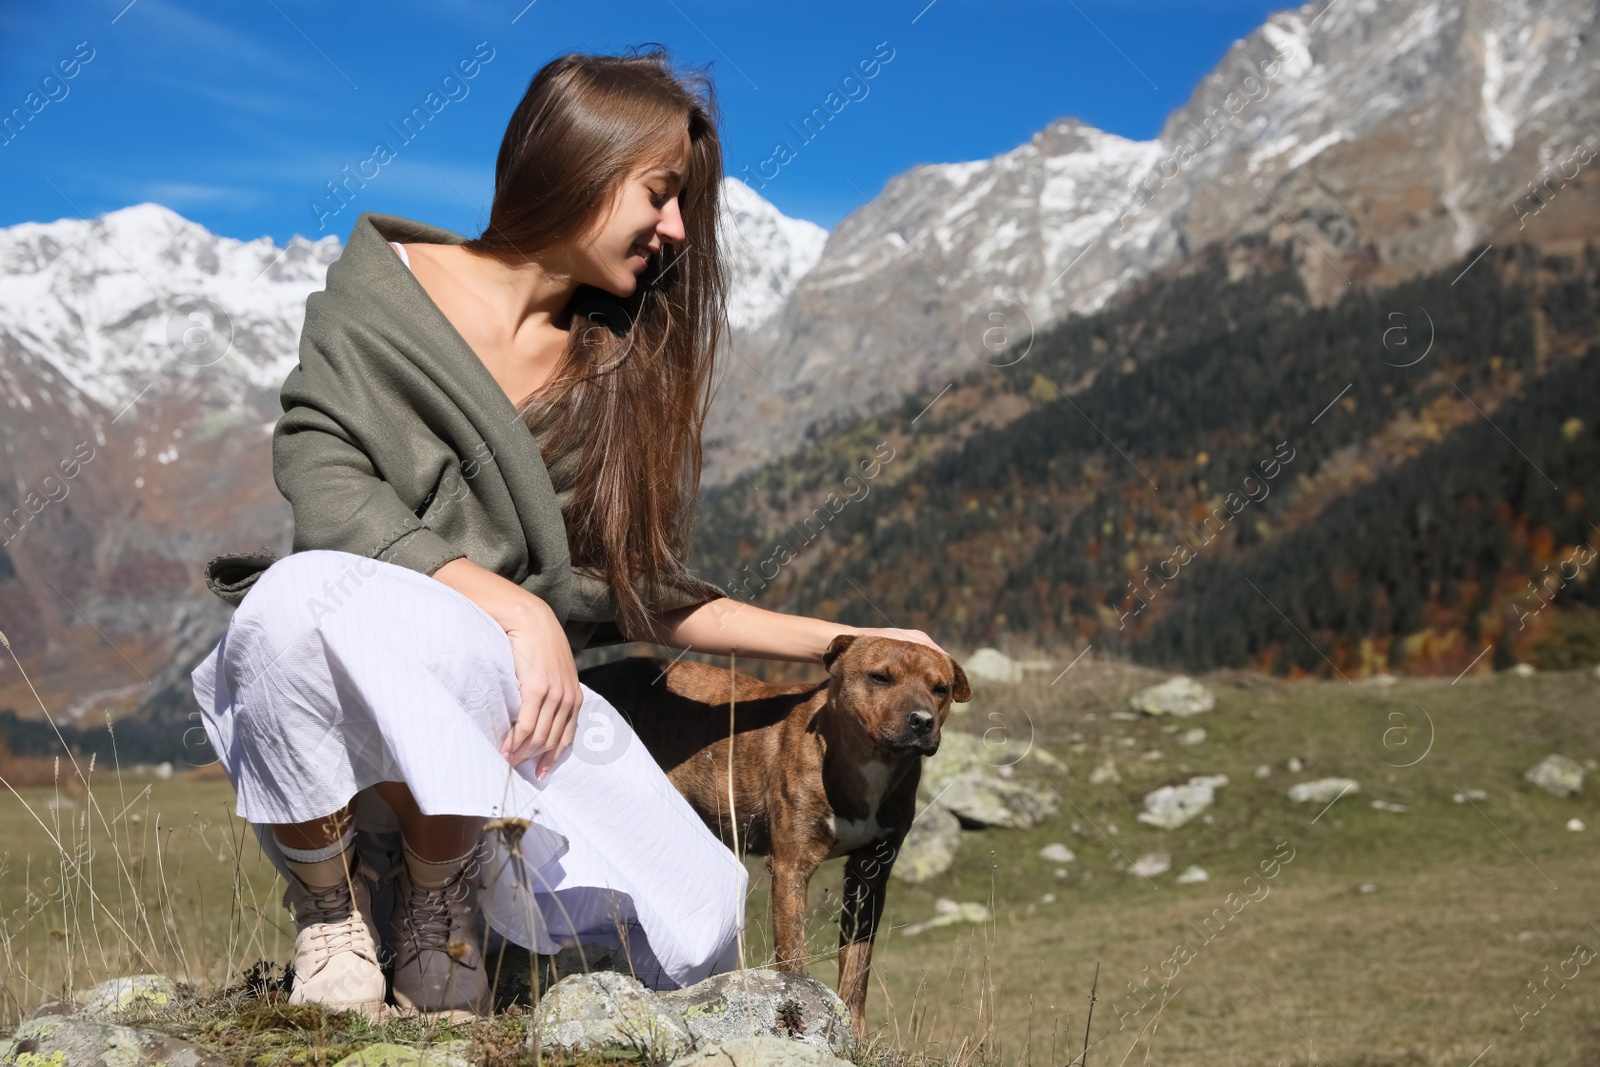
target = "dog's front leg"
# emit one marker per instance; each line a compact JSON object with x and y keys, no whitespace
{"x":866,"y":881}
{"x":791,"y":870}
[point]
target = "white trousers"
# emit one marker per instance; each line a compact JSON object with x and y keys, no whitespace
{"x":339,"y":671}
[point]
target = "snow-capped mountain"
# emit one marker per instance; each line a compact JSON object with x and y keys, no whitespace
{"x":884,"y":307}
{"x":1395,"y":136}
{"x":767,"y":254}
{"x":1382,"y":137}
{"x":144,"y":299}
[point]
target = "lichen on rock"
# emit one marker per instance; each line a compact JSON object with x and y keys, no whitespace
{"x":785,"y":1004}
{"x":610,"y":1010}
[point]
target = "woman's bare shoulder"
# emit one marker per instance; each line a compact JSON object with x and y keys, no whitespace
{"x":442,"y":254}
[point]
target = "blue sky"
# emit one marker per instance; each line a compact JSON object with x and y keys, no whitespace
{"x":235,"y":113}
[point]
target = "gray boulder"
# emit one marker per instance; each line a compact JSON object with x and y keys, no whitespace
{"x":779,"y":1004}
{"x":760,"y":1051}
{"x":991,"y":665}
{"x":958,"y":753}
{"x":993,"y":753}
{"x":71,"y":1041}
{"x":930,"y":846}
{"x":1173,"y":805}
{"x":985,"y":800}
{"x":140,"y":992}
{"x":1556,"y":775}
{"x":610,"y":1010}
{"x":1179,"y":695}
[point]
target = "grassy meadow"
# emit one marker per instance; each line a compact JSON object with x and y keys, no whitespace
{"x":1444,"y":933}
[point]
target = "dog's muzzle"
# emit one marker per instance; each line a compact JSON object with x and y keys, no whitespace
{"x":921,"y":733}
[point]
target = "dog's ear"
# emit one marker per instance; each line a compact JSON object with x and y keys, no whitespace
{"x":836,"y":648}
{"x":962,"y":691}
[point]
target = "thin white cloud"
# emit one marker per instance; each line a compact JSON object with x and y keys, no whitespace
{"x":175,"y":193}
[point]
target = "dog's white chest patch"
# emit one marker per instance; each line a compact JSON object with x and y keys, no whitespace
{"x":853,"y":833}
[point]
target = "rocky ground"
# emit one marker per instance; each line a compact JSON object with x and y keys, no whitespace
{"x":738,"y":1018}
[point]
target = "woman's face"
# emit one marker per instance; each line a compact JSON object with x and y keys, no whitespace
{"x":643,"y":217}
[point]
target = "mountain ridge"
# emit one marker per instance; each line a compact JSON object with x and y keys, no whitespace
{"x":1270,"y":142}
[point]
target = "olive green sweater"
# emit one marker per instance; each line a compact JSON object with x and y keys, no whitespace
{"x":396,"y":443}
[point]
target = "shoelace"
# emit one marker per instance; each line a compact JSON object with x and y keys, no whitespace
{"x":329,"y":915}
{"x":427,"y":913}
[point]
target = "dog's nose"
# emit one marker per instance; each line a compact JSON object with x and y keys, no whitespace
{"x":921,"y":721}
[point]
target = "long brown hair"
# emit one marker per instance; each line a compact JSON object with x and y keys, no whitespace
{"x":636,"y":379}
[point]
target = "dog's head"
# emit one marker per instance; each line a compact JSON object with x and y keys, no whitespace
{"x":899,"y":691}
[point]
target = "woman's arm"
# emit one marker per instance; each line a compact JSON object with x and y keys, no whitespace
{"x":547,"y":677}
{"x":726,"y":626}
{"x":512,"y":606}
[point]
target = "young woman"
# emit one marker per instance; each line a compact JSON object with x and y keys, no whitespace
{"x":492,"y":449}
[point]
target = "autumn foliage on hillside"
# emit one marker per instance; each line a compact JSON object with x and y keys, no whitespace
{"x":1216,"y":473}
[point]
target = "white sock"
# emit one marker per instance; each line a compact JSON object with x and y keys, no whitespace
{"x":321,"y":867}
{"x":431,"y":874}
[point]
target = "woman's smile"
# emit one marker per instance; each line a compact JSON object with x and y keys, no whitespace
{"x":640,"y":253}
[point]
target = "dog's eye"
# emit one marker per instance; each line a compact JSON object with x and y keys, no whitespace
{"x":941,"y":690}
{"x":879,"y":677}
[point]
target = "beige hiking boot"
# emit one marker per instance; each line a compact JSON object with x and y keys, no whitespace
{"x":336,"y":948}
{"x":437,"y":935}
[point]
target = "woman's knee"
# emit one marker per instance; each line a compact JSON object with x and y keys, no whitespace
{"x":308,"y":586}
{"x":286,"y":607}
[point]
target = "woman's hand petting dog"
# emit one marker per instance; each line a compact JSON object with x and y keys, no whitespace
{"x":900,"y":635}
